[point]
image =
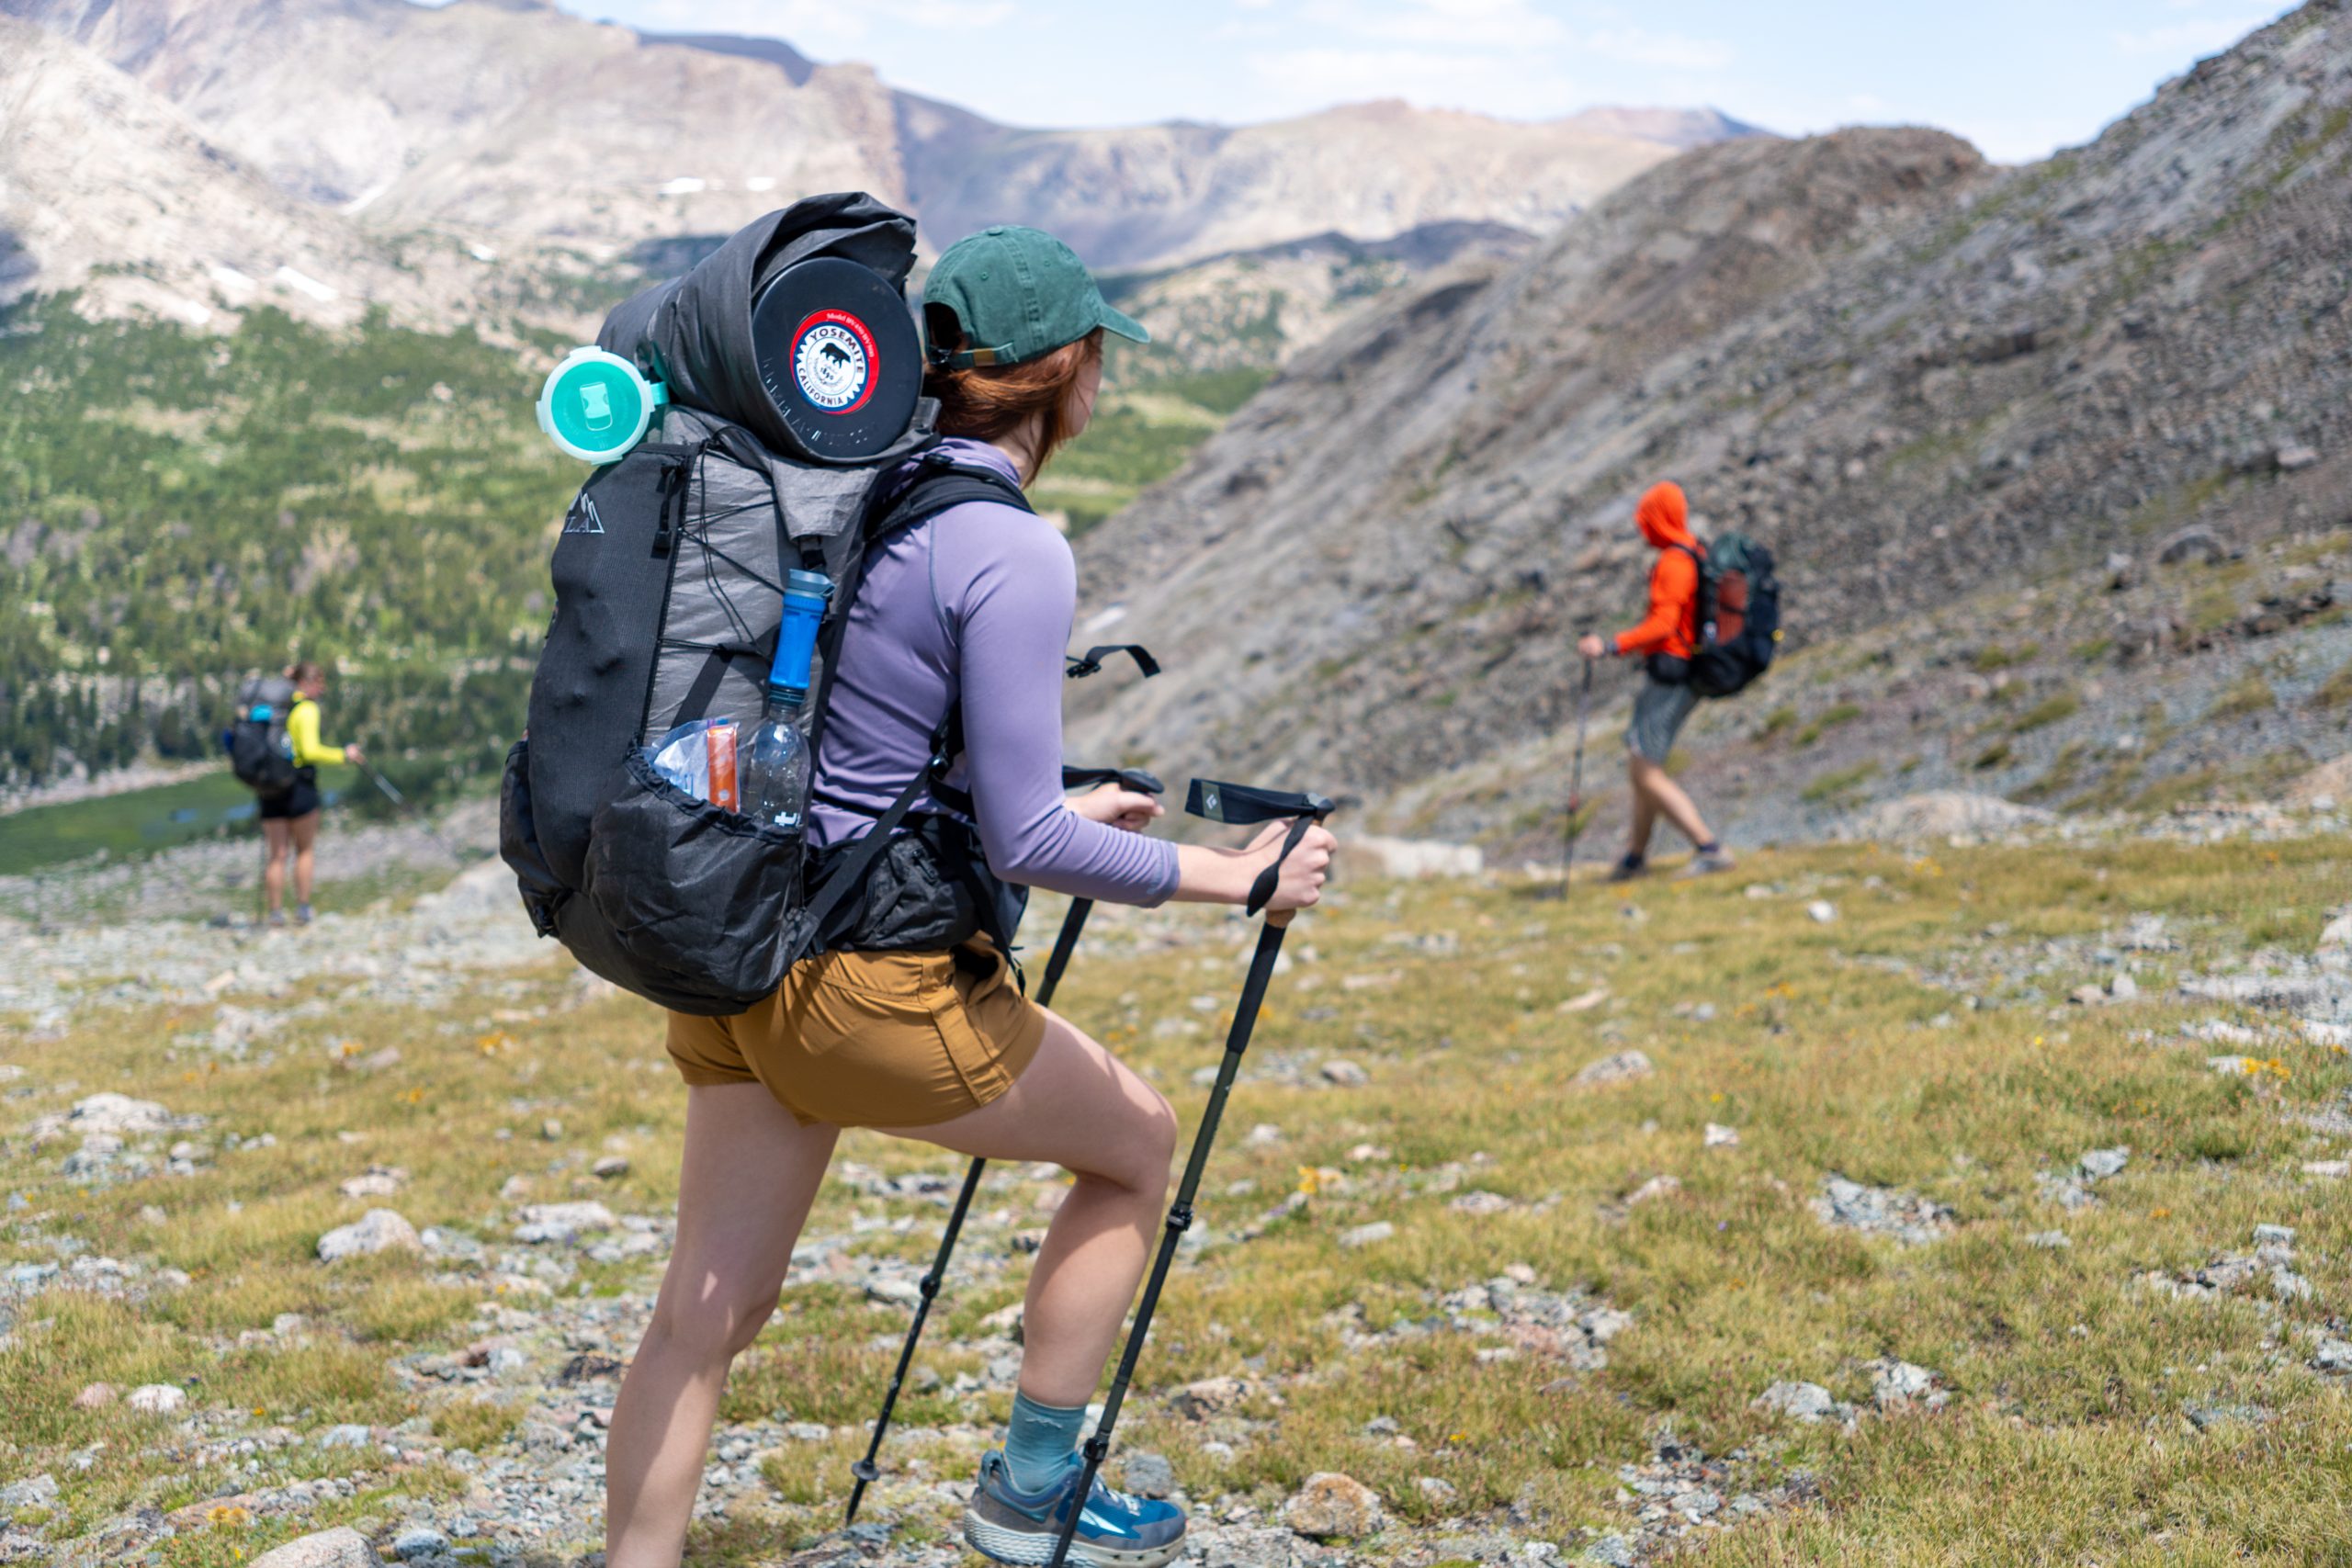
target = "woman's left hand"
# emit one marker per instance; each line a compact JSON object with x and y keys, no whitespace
{"x":1118,"y":807}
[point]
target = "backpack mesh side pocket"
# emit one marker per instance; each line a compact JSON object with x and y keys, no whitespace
{"x":696,"y":900}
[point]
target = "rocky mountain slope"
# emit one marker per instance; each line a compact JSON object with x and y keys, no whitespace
{"x":499,"y":121}
{"x":98,"y":172}
{"x":1971,"y":407}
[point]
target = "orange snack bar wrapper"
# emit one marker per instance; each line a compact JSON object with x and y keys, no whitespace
{"x":720,"y":739}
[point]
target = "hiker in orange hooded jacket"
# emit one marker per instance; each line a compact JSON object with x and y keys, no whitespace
{"x":1665,"y":641}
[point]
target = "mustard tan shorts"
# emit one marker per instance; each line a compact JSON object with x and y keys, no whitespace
{"x":874,"y":1039}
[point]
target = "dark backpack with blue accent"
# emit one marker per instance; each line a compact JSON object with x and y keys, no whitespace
{"x":259,"y":753}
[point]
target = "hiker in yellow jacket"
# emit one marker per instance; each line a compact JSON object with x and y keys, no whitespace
{"x":289,"y":822}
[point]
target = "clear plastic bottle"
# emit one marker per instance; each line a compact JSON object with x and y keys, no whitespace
{"x":774,"y":761}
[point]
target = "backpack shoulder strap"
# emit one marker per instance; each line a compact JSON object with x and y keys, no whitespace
{"x":940,"y":482}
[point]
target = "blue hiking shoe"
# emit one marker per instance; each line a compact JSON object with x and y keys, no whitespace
{"x":1114,"y":1530}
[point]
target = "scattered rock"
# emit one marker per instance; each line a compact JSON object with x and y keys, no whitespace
{"x":1345,"y":1074}
{"x":1801,"y":1401}
{"x":341,"y":1547}
{"x":1210,"y":1396}
{"x":420,"y":1542}
{"x":2334,"y":1357}
{"x":2337,"y":936}
{"x":1437,"y":1489}
{"x":1900,"y":1385}
{"x":1334,"y":1507}
{"x":378,"y":1230}
{"x":98,"y":1396}
{"x":1822,"y":912}
{"x":1881,"y":1210}
{"x":2122,"y":988}
{"x":1719,"y":1137}
{"x":1148,"y":1474}
{"x":1481,"y":1203}
{"x":1654,"y":1188}
{"x":1367,"y":1235}
{"x":118,"y":1115}
{"x":2100,"y":1164}
{"x":1611,"y":1551}
{"x":612,"y":1167}
{"x":40,"y":1491}
{"x":562,"y":1222}
{"x":348,"y":1435}
{"x":377,"y":1182}
{"x":895,"y":1292}
{"x":2050,"y":1241}
{"x":158,"y":1399}
{"x":1586,"y":1002}
{"x":2194,"y":543}
{"x":1626,"y":1067}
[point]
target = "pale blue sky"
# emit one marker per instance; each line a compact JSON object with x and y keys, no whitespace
{"x":2018,"y":77}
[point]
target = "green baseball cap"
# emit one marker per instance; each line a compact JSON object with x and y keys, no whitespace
{"x":1018,"y":293}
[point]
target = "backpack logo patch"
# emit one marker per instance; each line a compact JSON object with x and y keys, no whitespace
{"x":834,"y":362}
{"x":582,"y":518}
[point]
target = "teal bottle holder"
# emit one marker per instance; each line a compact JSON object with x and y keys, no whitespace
{"x":595,"y":405}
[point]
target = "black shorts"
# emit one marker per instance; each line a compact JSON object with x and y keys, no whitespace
{"x":299,"y":801}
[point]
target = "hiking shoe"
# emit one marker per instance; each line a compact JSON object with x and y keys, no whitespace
{"x":277,"y":920}
{"x":1626,"y":870}
{"x":1708,"y":861}
{"x":302,"y":915}
{"x":1007,"y":1525}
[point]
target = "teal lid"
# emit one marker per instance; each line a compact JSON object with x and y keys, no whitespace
{"x":596,"y":405}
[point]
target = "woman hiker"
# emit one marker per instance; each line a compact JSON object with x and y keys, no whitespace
{"x":1665,"y":641}
{"x":289,"y":822}
{"x":973,"y":605}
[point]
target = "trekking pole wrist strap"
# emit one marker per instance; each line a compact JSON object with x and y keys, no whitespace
{"x":1244,"y":806}
{"x":1090,"y":662}
{"x":1134,"y":779}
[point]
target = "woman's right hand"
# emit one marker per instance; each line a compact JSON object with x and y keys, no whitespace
{"x":1299,"y":884}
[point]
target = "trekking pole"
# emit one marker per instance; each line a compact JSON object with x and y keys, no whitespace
{"x":397,"y":798}
{"x":1241,"y":806}
{"x":866,"y":1469}
{"x":1575,"y":781}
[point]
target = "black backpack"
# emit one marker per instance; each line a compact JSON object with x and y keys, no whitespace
{"x":259,"y":753}
{"x":669,"y":577}
{"x":1739,"y":615}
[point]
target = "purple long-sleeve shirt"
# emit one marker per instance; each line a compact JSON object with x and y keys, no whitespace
{"x":976,"y":601}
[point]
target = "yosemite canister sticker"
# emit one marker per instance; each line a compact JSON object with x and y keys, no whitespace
{"x":833,"y":361}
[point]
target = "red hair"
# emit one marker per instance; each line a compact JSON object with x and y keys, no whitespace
{"x":987,"y":403}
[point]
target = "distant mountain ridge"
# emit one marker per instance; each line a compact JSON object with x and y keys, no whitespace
{"x":514,"y":128}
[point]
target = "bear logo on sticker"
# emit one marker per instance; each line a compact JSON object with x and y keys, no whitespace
{"x":833,"y":361}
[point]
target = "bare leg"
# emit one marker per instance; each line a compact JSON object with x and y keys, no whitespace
{"x":277,"y":844}
{"x":1658,"y":787}
{"x":1644,"y":818}
{"x":1077,"y":1106}
{"x":306,"y":839}
{"x":750,"y":1173}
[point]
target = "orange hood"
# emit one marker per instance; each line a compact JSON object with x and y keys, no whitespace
{"x":1664,"y":516}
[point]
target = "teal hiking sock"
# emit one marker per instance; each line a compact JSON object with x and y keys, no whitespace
{"x":1039,"y":1440}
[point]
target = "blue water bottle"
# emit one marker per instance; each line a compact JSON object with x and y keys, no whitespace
{"x":775,"y":761}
